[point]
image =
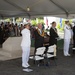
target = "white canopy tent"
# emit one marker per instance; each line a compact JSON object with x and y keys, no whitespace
{"x":57,"y":8}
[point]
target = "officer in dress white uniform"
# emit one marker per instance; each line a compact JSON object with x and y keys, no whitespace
{"x":25,"y":44}
{"x":67,"y":38}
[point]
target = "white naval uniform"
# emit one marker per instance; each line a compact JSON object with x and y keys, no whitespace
{"x":25,"y":44}
{"x":67,"y":38}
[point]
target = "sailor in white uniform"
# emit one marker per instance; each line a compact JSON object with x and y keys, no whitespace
{"x":67,"y":38}
{"x":25,"y":44}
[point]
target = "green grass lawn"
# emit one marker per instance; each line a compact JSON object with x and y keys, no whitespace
{"x":60,"y":43}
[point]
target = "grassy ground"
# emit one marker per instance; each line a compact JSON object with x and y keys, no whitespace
{"x":60,"y":43}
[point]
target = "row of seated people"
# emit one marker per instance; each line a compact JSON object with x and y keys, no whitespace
{"x":45,"y":40}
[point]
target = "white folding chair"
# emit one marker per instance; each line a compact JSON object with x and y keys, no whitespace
{"x":38,"y":54}
{"x":51,"y":53}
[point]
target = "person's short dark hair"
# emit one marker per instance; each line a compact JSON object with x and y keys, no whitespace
{"x":66,"y":22}
{"x":26,"y":25}
{"x":53,"y":22}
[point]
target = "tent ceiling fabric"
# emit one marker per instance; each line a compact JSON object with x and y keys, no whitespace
{"x":58,"y":8}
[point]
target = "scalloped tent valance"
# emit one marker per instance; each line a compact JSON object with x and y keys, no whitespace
{"x":57,"y":8}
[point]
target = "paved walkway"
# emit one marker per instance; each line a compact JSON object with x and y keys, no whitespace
{"x":65,"y":66}
{"x":3,"y":58}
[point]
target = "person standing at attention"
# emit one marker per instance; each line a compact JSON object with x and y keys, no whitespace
{"x":25,"y":44}
{"x":53,"y":34}
{"x":67,"y":38}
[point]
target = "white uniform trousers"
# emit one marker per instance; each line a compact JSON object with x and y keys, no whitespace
{"x":66,"y":46}
{"x":25,"y":56}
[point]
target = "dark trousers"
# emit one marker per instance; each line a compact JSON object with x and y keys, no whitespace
{"x":74,"y":41}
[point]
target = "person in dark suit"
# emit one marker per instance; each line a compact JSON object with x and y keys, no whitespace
{"x":74,"y":36}
{"x":1,"y":35}
{"x":39,"y":37}
{"x":53,"y":34}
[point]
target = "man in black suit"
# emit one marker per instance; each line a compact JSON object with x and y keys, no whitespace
{"x":39,"y":37}
{"x":53,"y":34}
{"x":74,"y":36}
{"x":1,"y":35}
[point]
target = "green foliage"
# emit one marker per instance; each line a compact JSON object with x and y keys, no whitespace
{"x":70,"y":20}
{"x":33,"y":22}
{"x":36,"y":21}
{"x":59,"y":27}
{"x":40,"y":21}
{"x":7,"y":20}
{"x":19,"y":19}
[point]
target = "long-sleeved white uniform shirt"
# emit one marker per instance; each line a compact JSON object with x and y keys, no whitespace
{"x":26,"y":40}
{"x":67,"y":32}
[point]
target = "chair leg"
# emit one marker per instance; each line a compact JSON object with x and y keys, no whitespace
{"x":34,"y":61}
{"x":55,"y":61}
{"x":73,"y":51}
{"x":38,"y":63}
{"x":44,"y":61}
{"x":48,"y":62}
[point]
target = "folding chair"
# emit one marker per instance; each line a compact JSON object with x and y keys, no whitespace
{"x":51,"y":53}
{"x":38,"y":55}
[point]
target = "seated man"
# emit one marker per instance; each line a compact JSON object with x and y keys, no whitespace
{"x":39,"y":37}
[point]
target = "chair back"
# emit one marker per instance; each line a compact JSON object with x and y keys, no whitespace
{"x":40,"y":51}
{"x":51,"y":48}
